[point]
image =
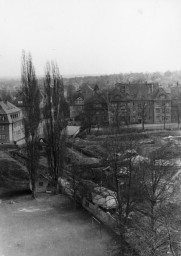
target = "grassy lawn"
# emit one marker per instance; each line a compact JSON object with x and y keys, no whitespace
{"x":49,"y":226}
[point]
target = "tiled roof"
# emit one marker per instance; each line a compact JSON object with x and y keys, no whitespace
{"x":97,"y":98}
{"x":8,"y":108}
{"x":132,"y":92}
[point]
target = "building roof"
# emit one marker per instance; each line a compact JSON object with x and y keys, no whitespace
{"x":77,"y":95}
{"x":138,"y":91}
{"x":8,"y":108}
{"x":71,"y":130}
{"x":160,"y":91}
{"x":81,"y":159}
{"x":97,"y":98}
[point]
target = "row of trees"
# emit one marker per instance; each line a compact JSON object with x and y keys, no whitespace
{"x":135,"y":78}
{"x":53,"y":116}
{"x":147,"y":215}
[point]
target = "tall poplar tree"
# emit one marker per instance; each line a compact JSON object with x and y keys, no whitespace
{"x":55,"y":122}
{"x":31,"y":100}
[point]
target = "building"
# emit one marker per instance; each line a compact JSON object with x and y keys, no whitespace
{"x":176,"y":103}
{"x":162,"y":106}
{"x":76,"y":108}
{"x":97,"y":109}
{"x":11,"y":123}
{"x":42,"y":183}
{"x":140,"y":103}
{"x":145,"y":103}
{"x":132,"y":103}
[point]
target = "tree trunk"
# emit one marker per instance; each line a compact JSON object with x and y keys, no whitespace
{"x":178,"y":121}
{"x":75,"y":201}
{"x":33,"y":188}
{"x":55,"y":189}
{"x":143,"y":125}
{"x":128,"y":194}
{"x":164,"y":122}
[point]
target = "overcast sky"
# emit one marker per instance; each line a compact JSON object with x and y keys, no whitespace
{"x":91,"y":36}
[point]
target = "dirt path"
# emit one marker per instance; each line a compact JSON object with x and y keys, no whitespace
{"x":48,"y":226}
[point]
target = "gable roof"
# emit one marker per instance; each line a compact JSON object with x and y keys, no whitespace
{"x":132,"y":92}
{"x":77,"y":95}
{"x":160,"y":91}
{"x":97,"y":98}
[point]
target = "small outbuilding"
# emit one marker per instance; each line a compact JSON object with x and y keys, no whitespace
{"x":41,"y":183}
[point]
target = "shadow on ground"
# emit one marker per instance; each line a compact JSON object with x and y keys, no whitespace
{"x":7,"y":194}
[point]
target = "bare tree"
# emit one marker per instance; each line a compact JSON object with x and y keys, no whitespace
{"x":143,"y":110}
{"x":6,"y":95}
{"x":70,"y":92}
{"x":178,"y":112}
{"x":55,"y":122}
{"x":122,"y":161}
{"x":74,"y":187}
{"x":31,"y":98}
{"x":152,"y":226}
{"x":164,"y":113}
{"x":116,"y":114}
{"x":176,"y":108}
{"x":143,"y":188}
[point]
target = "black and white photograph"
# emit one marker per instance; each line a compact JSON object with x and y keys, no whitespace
{"x":90,"y":128}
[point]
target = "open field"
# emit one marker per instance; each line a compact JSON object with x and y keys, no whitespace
{"x":48,"y":226}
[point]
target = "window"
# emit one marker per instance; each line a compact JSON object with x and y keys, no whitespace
{"x":2,"y":128}
{"x":162,"y":97}
{"x":40,"y":183}
{"x":139,"y":106}
{"x":167,"y":110}
{"x":97,"y":105}
{"x":2,"y":118}
{"x":157,"y":110}
{"x":114,"y":105}
{"x":122,"y":88}
{"x":2,"y":137}
{"x":105,"y":118}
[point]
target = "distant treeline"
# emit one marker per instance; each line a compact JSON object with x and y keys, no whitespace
{"x":167,"y":78}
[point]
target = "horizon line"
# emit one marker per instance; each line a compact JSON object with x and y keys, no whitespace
{"x":92,"y":75}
